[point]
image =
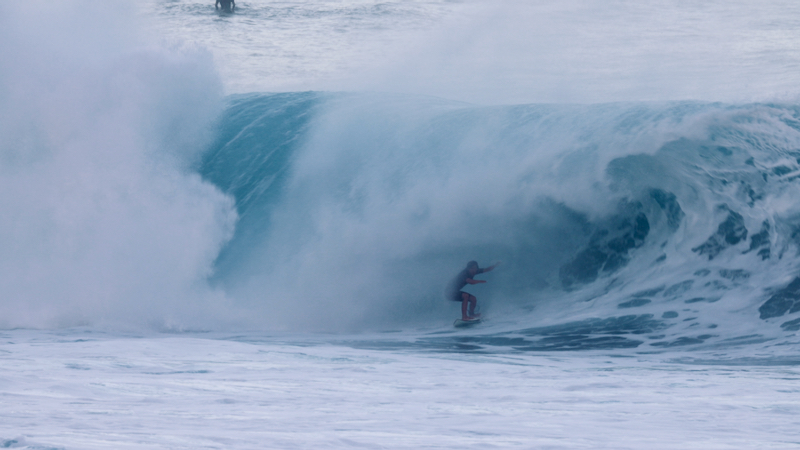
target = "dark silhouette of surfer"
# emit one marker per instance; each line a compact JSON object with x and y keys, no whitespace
{"x":225,"y":5}
{"x":465,"y":277}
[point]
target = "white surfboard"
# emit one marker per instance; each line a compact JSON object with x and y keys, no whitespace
{"x":466,"y":323}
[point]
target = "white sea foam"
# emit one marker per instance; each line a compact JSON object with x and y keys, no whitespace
{"x":104,"y":217}
{"x":77,"y":390}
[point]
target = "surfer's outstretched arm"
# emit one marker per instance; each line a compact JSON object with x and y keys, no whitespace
{"x":491,"y":268}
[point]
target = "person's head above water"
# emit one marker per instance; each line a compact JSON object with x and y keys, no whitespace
{"x":472,"y":267}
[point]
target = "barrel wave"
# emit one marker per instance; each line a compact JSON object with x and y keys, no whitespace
{"x":624,"y":225}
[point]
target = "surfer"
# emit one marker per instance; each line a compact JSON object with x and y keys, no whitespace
{"x":464,"y":278}
{"x":225,"y":5}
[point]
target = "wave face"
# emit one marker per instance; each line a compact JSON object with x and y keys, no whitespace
{"x":646,"y":225}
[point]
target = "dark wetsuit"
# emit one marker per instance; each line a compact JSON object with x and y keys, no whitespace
{"x":225,"y":5}
{"x":454,"y":288}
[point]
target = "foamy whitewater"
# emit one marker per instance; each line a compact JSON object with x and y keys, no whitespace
{"x":235,"y":230}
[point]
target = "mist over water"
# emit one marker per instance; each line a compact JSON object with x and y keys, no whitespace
{"x":105,"y":219}
{"x":580,"y":51}
{"x":500,"y":52}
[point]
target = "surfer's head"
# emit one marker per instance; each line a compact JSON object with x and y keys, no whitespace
{"x":472,"y":265}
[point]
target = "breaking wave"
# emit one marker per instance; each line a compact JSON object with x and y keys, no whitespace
{"x":649,"y":225}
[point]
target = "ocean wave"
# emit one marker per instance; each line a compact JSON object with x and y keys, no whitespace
{"x":357,"y":208}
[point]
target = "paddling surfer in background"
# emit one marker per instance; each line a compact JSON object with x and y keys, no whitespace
{"x":465,"y":277}
{"x":225,"y":5}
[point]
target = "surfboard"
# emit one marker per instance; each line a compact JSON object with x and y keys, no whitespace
{"x":466,"y":323}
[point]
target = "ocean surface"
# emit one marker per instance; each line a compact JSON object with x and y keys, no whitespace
{"x":234,"y":230}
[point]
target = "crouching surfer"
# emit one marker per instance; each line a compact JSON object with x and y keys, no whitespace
{"x":468,"y":301}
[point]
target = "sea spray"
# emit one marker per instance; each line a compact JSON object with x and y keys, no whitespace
{"x":104,"y":218}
